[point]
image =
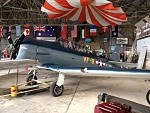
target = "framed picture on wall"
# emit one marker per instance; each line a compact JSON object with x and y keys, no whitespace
{"x":105,"y":39}
{"x":88,"y":40}
{"x":113,"y":48}
{"x":121,"y":40}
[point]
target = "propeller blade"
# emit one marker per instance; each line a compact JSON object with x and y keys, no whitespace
{"x":10,"y":40}
{"x":19,"y":41}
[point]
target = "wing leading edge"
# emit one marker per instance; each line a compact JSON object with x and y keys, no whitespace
{"x":102,"y":72}
{"x":5,"y":64}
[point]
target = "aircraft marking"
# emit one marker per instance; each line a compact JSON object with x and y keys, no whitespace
{"x":89,"y":60}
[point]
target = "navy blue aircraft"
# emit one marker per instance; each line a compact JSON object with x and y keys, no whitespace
{"x":66,"y":61}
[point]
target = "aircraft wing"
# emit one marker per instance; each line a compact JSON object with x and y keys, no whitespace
{"x":123,"y":64}
{"x":102,"y":72}
{"x":7,"y":64}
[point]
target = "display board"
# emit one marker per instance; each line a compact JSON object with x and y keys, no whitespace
{"x":142,"y":43}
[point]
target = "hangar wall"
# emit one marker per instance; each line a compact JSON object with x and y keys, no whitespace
{"x":141,"y":43}
{"x":143,"y":38}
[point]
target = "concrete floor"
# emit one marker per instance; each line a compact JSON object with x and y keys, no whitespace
{"x":80,"y":94}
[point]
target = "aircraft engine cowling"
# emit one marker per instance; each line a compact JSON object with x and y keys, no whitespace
{"x":27,"y":51}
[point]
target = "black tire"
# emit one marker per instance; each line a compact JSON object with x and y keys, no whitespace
{"x":29,"y":78}
{"x":148,"y":97}
{"x":56,"y":90}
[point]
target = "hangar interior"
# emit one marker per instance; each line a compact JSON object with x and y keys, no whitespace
{"x":28,"y":13}
{"x":80,"y":91}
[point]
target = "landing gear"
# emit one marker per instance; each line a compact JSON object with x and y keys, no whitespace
{"x":148,"y":97}
{"x":31,"y":76}
{"x":56,"y":90}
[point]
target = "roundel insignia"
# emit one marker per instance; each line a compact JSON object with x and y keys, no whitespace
{"x":99,"y":63}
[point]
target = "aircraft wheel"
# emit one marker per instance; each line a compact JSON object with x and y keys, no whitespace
{"x":30,"y":77}
{"x":56,"y":90}
{"x":148,"y":97}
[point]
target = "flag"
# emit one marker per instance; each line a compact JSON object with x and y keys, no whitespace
{"x":27,"y":29}
{"x":1,"y":31}
{"x":18,"y":30}
{"x":104,"y":29}
{"x":114,"y":31}
{"x":8,"y":31}
{"x":39,"y":28}
{"x":64,"y":31}
{"x":82,"y":32}
{"x":93,"y":30}
{"x":45,"y":31}
{"x":74,"y":31}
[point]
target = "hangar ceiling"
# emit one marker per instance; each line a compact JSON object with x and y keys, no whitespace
{"x":28,"y":12}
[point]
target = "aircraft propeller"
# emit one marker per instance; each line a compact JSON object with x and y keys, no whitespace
{"x":13,"y":47}
{"x":10,"y":40}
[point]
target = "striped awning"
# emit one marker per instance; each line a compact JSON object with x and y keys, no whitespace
{"x":97,"y":12}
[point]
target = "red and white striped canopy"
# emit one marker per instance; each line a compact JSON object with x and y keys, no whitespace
{"x":97,"y":12}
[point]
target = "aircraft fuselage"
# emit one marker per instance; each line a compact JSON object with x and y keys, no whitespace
{"x":54,"y":53}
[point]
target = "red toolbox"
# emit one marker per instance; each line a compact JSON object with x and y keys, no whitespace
{"x":109,"y":108}
{"x":112,"y":104}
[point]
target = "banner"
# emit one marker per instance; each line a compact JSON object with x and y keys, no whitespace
{"x":45,"y":32}
{"x":104,"y":29}
{"x":114,"y":31}
{"x":27,"y":29}
{"x":8,"y":31}
{"x":93,"y":30}
{"x":64,"y":31}
{"x":74,"y":31}
{"x":1,"y":31}
{"x":18,"y":30}
{"x":82,"y":32}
